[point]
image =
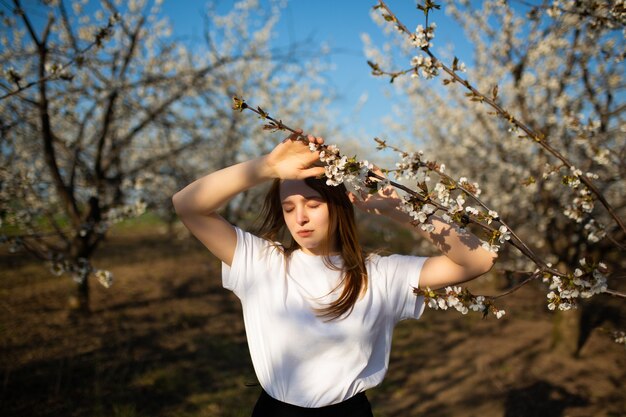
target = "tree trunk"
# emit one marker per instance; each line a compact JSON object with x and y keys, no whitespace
{"x":79,"y":301}
{"x":566,"y":331}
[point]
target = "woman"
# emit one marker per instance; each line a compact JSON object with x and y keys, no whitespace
{"x":319,"y":315}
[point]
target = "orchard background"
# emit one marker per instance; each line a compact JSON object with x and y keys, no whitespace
{"x":105,"y":113}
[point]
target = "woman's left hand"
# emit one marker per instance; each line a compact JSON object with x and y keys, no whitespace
{"x":383,"y":202}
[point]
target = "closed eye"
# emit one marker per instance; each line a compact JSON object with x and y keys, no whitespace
{"x":288,"y":206}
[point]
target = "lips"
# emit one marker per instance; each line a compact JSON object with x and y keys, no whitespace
{"x":305,"y":233}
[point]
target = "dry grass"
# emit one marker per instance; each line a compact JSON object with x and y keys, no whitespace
{"x":167,"y":340}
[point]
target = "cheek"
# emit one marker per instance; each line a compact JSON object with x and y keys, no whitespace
{"x":288,"y":217}
{"x":322,"y":216}
{"x":291,"y":221}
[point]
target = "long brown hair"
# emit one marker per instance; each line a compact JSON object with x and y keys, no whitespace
{"x":341,"y":213}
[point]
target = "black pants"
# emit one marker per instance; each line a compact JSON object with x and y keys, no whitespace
{"x":357,"y":406}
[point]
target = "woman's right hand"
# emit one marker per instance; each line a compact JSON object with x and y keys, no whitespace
{"x":292,"y":159}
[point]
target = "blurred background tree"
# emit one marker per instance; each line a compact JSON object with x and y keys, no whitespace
{"x":104,"y":114}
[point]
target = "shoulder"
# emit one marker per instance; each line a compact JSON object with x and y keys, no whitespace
{"x":249,"y":242}
{"x":376,"y":260}
{"x":394,"y":267}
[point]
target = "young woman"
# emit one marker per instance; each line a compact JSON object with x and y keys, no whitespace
{"x":319,"y":314}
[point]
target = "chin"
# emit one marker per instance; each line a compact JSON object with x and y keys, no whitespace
{"x":310,"y":247}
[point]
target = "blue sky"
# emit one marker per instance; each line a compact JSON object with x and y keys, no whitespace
{"x":339,"y":24}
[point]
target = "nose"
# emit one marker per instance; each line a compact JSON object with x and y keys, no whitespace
{"x":301,"y":216}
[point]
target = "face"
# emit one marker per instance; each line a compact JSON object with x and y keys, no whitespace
{"x":306,"y":216}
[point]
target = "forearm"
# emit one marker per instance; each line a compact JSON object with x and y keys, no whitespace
{"x":207,"y":194}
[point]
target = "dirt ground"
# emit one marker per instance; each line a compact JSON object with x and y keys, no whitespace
{"x":167,"y":340}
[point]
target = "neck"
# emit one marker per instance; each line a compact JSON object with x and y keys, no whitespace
{"x":322,"y":250}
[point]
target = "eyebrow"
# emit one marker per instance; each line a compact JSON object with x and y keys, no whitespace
{"x":311,"y":197}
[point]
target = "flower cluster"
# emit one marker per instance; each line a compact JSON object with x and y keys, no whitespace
{"x":554,"y":10}
{"x":460,"y":299}
{"x":619,"y":337}
{"x":55,"y":70}
{"x":582,"y":203}
{"x":409,"y":166}
{"x":573,"y":180}
{"x":473,"y":188}
{"x":594,"y":231}
{"x":423,"y":36}
{"x":79,"y":269}
{"x":340,"y":169}
{"x":419,"y":212}
{"x":443,"y":193}
{"x":104,"y":277}
{"x":426,"y":65}
{"x":118,"y":214}
{"x":583,"y":283}
{"x":455,"y":209}
{"x":501,"y":235}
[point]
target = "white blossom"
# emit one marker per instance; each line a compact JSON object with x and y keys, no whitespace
{"x":620,"y":337}
{"x":504,"y":234}
{"x":489,"y":246}
{"x":104,"y":277}
{"x":422,"y":37}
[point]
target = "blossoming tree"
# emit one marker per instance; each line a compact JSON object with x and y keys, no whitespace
{"x":537,"y":122}
{"x":103,"y":113}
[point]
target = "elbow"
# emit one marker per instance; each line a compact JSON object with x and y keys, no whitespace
{"x":487,"y":262}
{"x":480,"y":264}
{"x":185,"y":205}
{"x":177,"y":203}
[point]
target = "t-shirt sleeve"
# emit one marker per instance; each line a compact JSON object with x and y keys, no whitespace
{"x":250,"y":256}
{"x":402,"y":275}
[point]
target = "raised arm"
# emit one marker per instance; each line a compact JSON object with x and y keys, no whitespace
{"x":197,"y":203}
{"x":463,"y":257}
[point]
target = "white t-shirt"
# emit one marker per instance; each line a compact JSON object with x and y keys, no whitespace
{"x":298,"y":357}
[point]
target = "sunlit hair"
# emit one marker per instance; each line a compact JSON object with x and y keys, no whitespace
{"x":341,"y":215}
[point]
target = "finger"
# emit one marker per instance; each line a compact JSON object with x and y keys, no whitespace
{"x":312,"y":172}
{"x":293,"y":135}
{"x":311,"y":157}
